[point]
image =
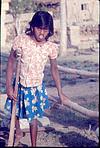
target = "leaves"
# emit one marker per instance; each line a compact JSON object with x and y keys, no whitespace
{"x":20,"y":6}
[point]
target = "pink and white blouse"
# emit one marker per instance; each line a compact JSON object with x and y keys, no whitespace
{"x":33,"y":59}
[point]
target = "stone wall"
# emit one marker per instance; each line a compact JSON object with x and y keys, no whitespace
{"x":4,"y":8}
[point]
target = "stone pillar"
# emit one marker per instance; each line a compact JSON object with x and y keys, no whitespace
{"x":63,"y":27}
{"x":75,"y":35}
{"x":4,"y":8}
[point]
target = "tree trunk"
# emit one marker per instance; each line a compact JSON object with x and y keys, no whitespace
{"x":76,"y":71}
{"x":63,"y":26}
{"x":17,"y":25}
{"x":67,"y":102}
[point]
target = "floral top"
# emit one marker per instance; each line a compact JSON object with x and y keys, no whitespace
{"x":33,"y":59}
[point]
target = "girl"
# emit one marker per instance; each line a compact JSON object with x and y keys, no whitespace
{"x":34,"y":49}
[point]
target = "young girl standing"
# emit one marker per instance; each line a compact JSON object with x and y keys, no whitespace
{"x":34,"y":49}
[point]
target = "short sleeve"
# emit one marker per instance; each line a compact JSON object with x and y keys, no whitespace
{"x":53,"y":51}
{"x":17,"y":45}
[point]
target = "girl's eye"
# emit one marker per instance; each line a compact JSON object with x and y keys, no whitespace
{"x":46,"y":30}
{"x":38,"y":29}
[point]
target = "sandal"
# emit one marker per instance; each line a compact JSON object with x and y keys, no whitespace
{"x":19,"y":136}
{"x":20,"y":145}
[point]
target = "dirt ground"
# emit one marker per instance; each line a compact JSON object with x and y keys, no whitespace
{"x":67,"y":128}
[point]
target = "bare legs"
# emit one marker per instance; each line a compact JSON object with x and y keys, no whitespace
{"x":19,"y":133}
{"x":33,"y":132}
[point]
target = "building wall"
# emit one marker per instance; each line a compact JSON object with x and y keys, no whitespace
{"x":82,"y":11}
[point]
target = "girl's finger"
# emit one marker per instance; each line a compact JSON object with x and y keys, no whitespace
{"x":10,"y":97}
{"x":14,"y":98}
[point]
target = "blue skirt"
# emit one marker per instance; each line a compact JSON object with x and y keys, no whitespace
{"x":32,"y":102}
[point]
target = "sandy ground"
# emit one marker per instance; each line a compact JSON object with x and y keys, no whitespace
{"x":68,"y":128}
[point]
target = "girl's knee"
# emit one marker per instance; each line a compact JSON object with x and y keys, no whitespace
{"x":33,"y":122}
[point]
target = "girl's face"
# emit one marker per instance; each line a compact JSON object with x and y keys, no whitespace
{"x":40,"y":34}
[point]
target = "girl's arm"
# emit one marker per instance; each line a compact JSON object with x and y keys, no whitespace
{"x":9,"y":74}
{"x":56,"y":77}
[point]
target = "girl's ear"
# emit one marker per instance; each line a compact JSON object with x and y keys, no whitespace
{"x":32,"y":29}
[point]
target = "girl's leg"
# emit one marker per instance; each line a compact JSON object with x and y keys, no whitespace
{"x":18,"y":129}
{"x":33,"y":132}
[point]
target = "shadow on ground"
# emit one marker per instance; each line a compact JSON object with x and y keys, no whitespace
{"x":73,"y":139}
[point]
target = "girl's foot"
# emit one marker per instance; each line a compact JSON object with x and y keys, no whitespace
{"x":19,"y":134}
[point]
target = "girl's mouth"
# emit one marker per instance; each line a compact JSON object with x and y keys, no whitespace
{"x":41,"y":36}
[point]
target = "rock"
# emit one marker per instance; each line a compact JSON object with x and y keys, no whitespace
{"x":97,"y":132}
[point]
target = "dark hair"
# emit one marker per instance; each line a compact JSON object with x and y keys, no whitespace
{"x":41,"y":19}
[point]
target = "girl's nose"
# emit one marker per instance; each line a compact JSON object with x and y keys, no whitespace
{"x":42,"y":31}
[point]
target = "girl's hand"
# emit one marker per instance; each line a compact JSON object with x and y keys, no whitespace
{"x":11,"y":94}
{"x":62,"y":98}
